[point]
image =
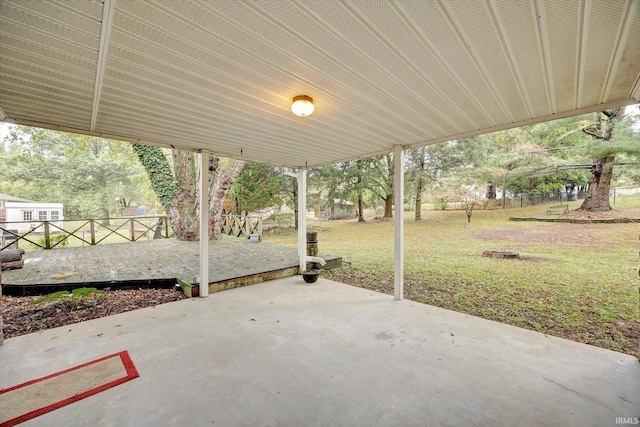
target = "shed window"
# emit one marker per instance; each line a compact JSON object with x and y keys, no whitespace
{"x":27,"y":215}
{"x":55,"y":215}
{"x":42,"y":215}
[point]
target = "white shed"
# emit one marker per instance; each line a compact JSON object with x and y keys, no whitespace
{"x":23,"y":216}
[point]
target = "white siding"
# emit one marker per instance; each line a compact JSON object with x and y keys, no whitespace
{"x":18,"y":212}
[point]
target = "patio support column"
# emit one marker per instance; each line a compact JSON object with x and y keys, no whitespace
{"x":302,"y":218}
{"x":204,"y":223}
{"x":398,"y":228}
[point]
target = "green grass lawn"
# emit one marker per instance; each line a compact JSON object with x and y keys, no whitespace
{"x":577,"y":281}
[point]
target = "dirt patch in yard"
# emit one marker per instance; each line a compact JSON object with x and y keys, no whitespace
{"x":585,"y":234}
{"x":568,"y":234}
{"x":536,"y":259}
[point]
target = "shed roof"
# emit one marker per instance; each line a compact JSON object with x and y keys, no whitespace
{"x":8,"y":198}
{"x":221,"y":75}
{"x":33,"y":205}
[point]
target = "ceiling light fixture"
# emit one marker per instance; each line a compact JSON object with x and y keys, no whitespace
{"x":302,"y":105}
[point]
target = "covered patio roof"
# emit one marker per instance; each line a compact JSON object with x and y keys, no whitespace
{"x":220,"y":76}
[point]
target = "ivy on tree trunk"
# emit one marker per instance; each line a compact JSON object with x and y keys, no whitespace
{"x":178,"y":190}
{"x":159,"y":171}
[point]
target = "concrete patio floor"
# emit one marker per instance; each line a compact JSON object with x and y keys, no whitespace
{"x":285,"y":353}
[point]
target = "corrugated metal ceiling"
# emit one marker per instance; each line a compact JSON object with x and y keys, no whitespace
{"x":220,"y":75}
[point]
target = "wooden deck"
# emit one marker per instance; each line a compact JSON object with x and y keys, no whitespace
{"x":157,"y":263}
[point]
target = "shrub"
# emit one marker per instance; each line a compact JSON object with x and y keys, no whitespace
{"x":61,"y":239}
{"x":74,"y":299}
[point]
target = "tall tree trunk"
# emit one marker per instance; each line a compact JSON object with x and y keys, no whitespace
{"x":599,"y":186}
{"x":359,"y":187}
{"x":238,"y":207}
{"x":491,"y":191}
{"x":223,"y":181}
{"x":418,"y":214}
{"x":597,"y":198}
{"x":420,"y":182}
{"x":388,"y":201}
{"x":295,"y":210}
{"x":105,"y":202}
{"x":184,"y":212}
{"x":504,"y":191}
{"x":388,"y":207}
{"x":104,"y":217}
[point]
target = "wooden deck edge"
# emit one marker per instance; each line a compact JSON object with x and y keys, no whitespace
{"x":332,"y":261}
{"x":192,"y":291}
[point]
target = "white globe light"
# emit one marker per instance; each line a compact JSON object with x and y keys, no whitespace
{"x":302,"y":106}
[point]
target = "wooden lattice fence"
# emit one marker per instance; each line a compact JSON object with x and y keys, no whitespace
{"x":240,"y":225}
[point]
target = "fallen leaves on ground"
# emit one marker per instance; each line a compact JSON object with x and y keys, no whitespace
{"x":20,"y":317}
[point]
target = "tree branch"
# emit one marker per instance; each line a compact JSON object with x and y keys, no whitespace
{"x":574,"y":131}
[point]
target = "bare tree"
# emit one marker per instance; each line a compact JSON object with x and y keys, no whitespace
{"x":468,"y":203}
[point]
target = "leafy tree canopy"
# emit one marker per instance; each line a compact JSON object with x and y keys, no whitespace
{"x":258,"y":186}
{"x":89,"y":175}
